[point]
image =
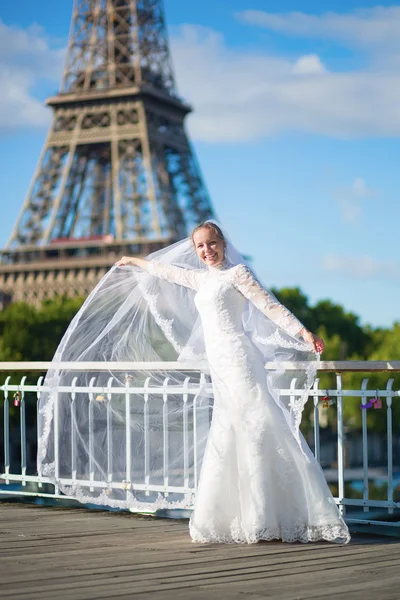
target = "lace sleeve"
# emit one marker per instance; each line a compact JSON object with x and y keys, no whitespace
{"x":248,"y":285}
{"x":187,"y":277}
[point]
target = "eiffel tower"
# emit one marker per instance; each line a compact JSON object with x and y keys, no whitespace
{"x":117,"y":174}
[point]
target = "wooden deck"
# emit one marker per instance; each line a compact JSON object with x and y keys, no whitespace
{"x":77,"y":554}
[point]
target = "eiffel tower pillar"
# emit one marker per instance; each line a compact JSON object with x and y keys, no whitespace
{"x":117,"y":174}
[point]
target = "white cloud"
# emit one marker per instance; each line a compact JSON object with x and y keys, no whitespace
{"x":238,"y":95}
{"x":309,"y":65}
{"x":351,"y":199}
{"x":242,"y":95}
{"x":26,"y":60}
{"x":363,"y":267}
{"x":371,"y":28}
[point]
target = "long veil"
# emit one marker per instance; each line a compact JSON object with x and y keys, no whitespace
{"x":135,"y":438}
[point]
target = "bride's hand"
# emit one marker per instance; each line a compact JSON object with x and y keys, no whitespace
{"x":125,"y":260}
{"x":317,"y":342}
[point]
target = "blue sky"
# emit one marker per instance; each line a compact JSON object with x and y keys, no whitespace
{"x":296,"y":127}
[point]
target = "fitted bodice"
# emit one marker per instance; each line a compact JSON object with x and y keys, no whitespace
{"x":219,"y":303}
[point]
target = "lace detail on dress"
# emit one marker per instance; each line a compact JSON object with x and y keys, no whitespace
{"x":299,"y":532}
{"x":222,"y":266}
{"x":46,"y":416}
{"x":166,"y":325}
{"x":297,"y":404}
{"x":276,"y":339}
{"x":49,"y":470}
{"x":189,"y":353}
{"x":189,"y":278}
{"x":283,"y":470}
{"x":130,"y":502}
{"x":250,"y":287}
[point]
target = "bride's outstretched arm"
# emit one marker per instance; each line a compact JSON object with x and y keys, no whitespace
{"x":248,"y":285}
{"x":134,"y":261}
{"x":186,"y":277}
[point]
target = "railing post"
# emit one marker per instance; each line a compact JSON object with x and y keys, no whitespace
{"x":185,"y":434}
{"x":365,"y":444}
{"x":341,"y":443}
{"x":22,"y":420}
{"x":128,"y":444}
{"x":39,"y":386}
{"x":292,"y":397}
{"x":165,"y":436}
{"x":73,"y":431}
{"x":109,"y":433}
{"x":316,"y":420}
{"x":56,"y":446}
{"x":6,"y":430}
{"x":389,"y":394}
{"x":202,"y":383}
{"x":146,"y":435}
{"x":91,"y":444}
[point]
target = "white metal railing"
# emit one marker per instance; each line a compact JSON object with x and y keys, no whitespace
{"x":17,"y":391}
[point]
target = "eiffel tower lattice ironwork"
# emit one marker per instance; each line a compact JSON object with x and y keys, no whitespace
{"x":117,"y":174}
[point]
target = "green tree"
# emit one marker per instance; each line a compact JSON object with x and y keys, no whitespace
{"x":384,"y":346}
{"x":339,"y":328}
{"x":337,"y":322}
{"x":298,"y":304}
{"x":30,"y":333}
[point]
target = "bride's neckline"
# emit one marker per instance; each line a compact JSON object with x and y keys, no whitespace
{"x":222,"y":266}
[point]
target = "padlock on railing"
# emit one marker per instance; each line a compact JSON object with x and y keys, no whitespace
{"x":377,"y":402}
{"x":327,"y":401}
{"x":373,"y":403}
{"x":17,"y":398}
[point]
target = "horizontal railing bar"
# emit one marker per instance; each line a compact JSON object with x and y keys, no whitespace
{"x":343,"y":366}
{"x":192,"y":389}
{"x":9,"y":493}
{"x":118,"y":485}
{"x":370,"y":522}
{"x":153,"y":391}
{"x":7,"y":477}
{"x":322,"y":366}
{"x":171,"y":489}
{"x":62,"y":497}
{"x":369,"y":503}
{"x":161,"y":488}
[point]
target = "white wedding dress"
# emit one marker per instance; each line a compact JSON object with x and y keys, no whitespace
{"x":256,"y":482}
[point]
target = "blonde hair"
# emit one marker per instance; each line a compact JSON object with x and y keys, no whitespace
{"x":213,"y":227}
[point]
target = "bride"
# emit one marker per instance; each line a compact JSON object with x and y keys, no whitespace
{"x":256,"y":482}
{"x":194,"y":300}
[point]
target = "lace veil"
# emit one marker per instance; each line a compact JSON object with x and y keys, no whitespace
{"x":136,"y":438}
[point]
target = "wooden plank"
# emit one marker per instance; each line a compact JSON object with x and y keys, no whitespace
{"x":80,"y":568}
{"x":63,"y":553}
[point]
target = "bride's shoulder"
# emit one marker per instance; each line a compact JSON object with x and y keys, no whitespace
{"x":242,"y":273}
{"x":241,"y":269}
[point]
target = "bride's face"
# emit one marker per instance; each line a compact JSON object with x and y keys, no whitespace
{"x":209,"y":247}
